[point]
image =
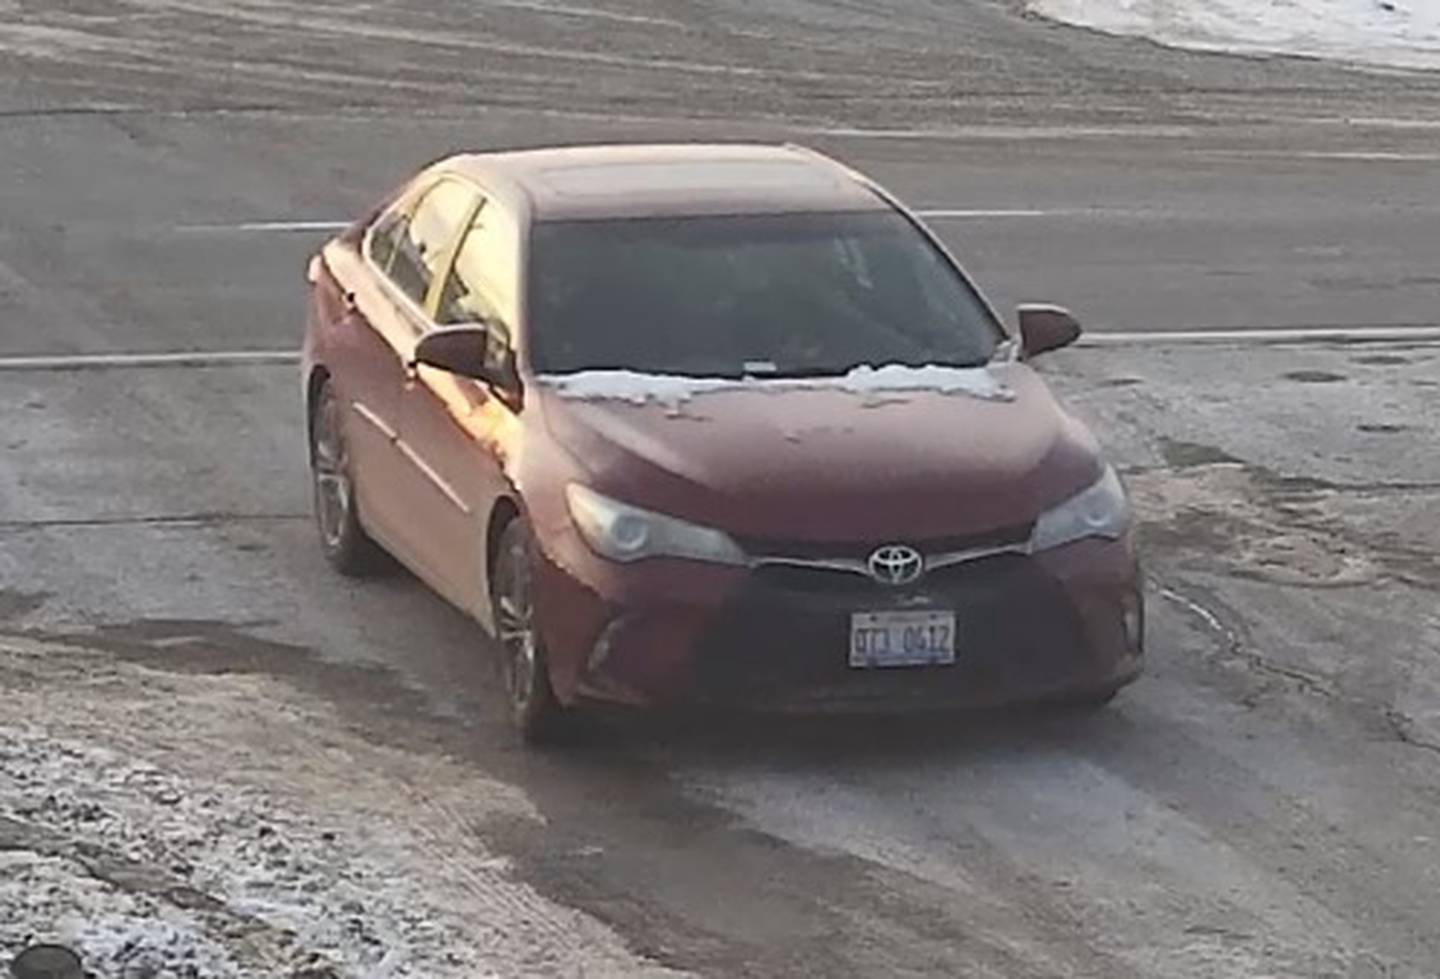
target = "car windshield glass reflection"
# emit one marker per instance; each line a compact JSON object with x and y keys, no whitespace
{"x":780,"y":295}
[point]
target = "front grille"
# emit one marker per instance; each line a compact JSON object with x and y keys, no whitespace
{"x":796,"y":550}
{"x":788,"y":632}
{"x":801,"y":566}
{"x":797,"y":579}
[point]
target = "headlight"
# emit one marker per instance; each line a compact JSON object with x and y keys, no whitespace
{"x":1099,"y":511}
{"x":626,"y":533}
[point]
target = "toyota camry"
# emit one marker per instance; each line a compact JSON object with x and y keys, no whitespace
{"x":711,"y":424}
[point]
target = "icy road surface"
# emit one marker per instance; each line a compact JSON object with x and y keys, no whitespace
{"x":1399,"y":33}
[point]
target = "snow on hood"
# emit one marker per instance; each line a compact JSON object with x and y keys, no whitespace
{"x":675,"y":390}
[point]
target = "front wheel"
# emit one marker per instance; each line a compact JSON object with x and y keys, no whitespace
{"x":534,"y":711}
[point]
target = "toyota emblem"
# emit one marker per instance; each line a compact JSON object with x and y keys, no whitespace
{"x":896,"y":564}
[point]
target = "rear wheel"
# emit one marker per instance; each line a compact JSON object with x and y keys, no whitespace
{"x":346,"y":545}
{"x":534,"y":711}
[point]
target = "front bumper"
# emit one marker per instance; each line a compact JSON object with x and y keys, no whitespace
{"x":1065,"y":623}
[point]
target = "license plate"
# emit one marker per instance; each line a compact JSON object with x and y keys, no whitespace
{"x":882,"y":639}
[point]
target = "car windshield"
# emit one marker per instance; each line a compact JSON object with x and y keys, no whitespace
{"x":776,"y":295}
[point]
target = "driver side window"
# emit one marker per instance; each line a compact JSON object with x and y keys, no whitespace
{"x":411,"y":244}
{"x":484,"y":280}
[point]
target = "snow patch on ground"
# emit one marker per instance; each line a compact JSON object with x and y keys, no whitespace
{"x":120,"y":934}
{"x":227,"y":827}
{"x":1396,"y":33}
{"x":675,"y":390}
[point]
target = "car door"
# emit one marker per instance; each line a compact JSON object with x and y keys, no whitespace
{"x":463,"y":429}
{"x":404,"y":254}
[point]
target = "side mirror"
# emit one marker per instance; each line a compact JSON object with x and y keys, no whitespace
{"x":1044,"y":328}
{"x":479,"y":352}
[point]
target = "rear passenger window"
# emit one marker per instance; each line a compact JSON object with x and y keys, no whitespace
{"x":382,"y":238}
{"x":411,"y":245}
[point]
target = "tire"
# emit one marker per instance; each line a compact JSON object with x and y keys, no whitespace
{"x":534,"y":711}
{"x":346,"y":545}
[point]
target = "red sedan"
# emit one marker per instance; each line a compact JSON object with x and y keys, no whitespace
{"x":711,"y":424}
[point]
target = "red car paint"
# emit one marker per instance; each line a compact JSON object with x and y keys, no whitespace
{"x":442,"y":460}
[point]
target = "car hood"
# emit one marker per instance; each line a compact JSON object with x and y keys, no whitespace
{"x":817,"y":462}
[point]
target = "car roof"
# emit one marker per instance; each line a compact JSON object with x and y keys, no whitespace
{"x":669,"y":180}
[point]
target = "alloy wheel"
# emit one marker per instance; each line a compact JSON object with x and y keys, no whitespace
{"x":516,"y":626}
{"x":334,"y":494}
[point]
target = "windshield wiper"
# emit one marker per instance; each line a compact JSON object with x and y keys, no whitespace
{"x":1008,"y":350}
